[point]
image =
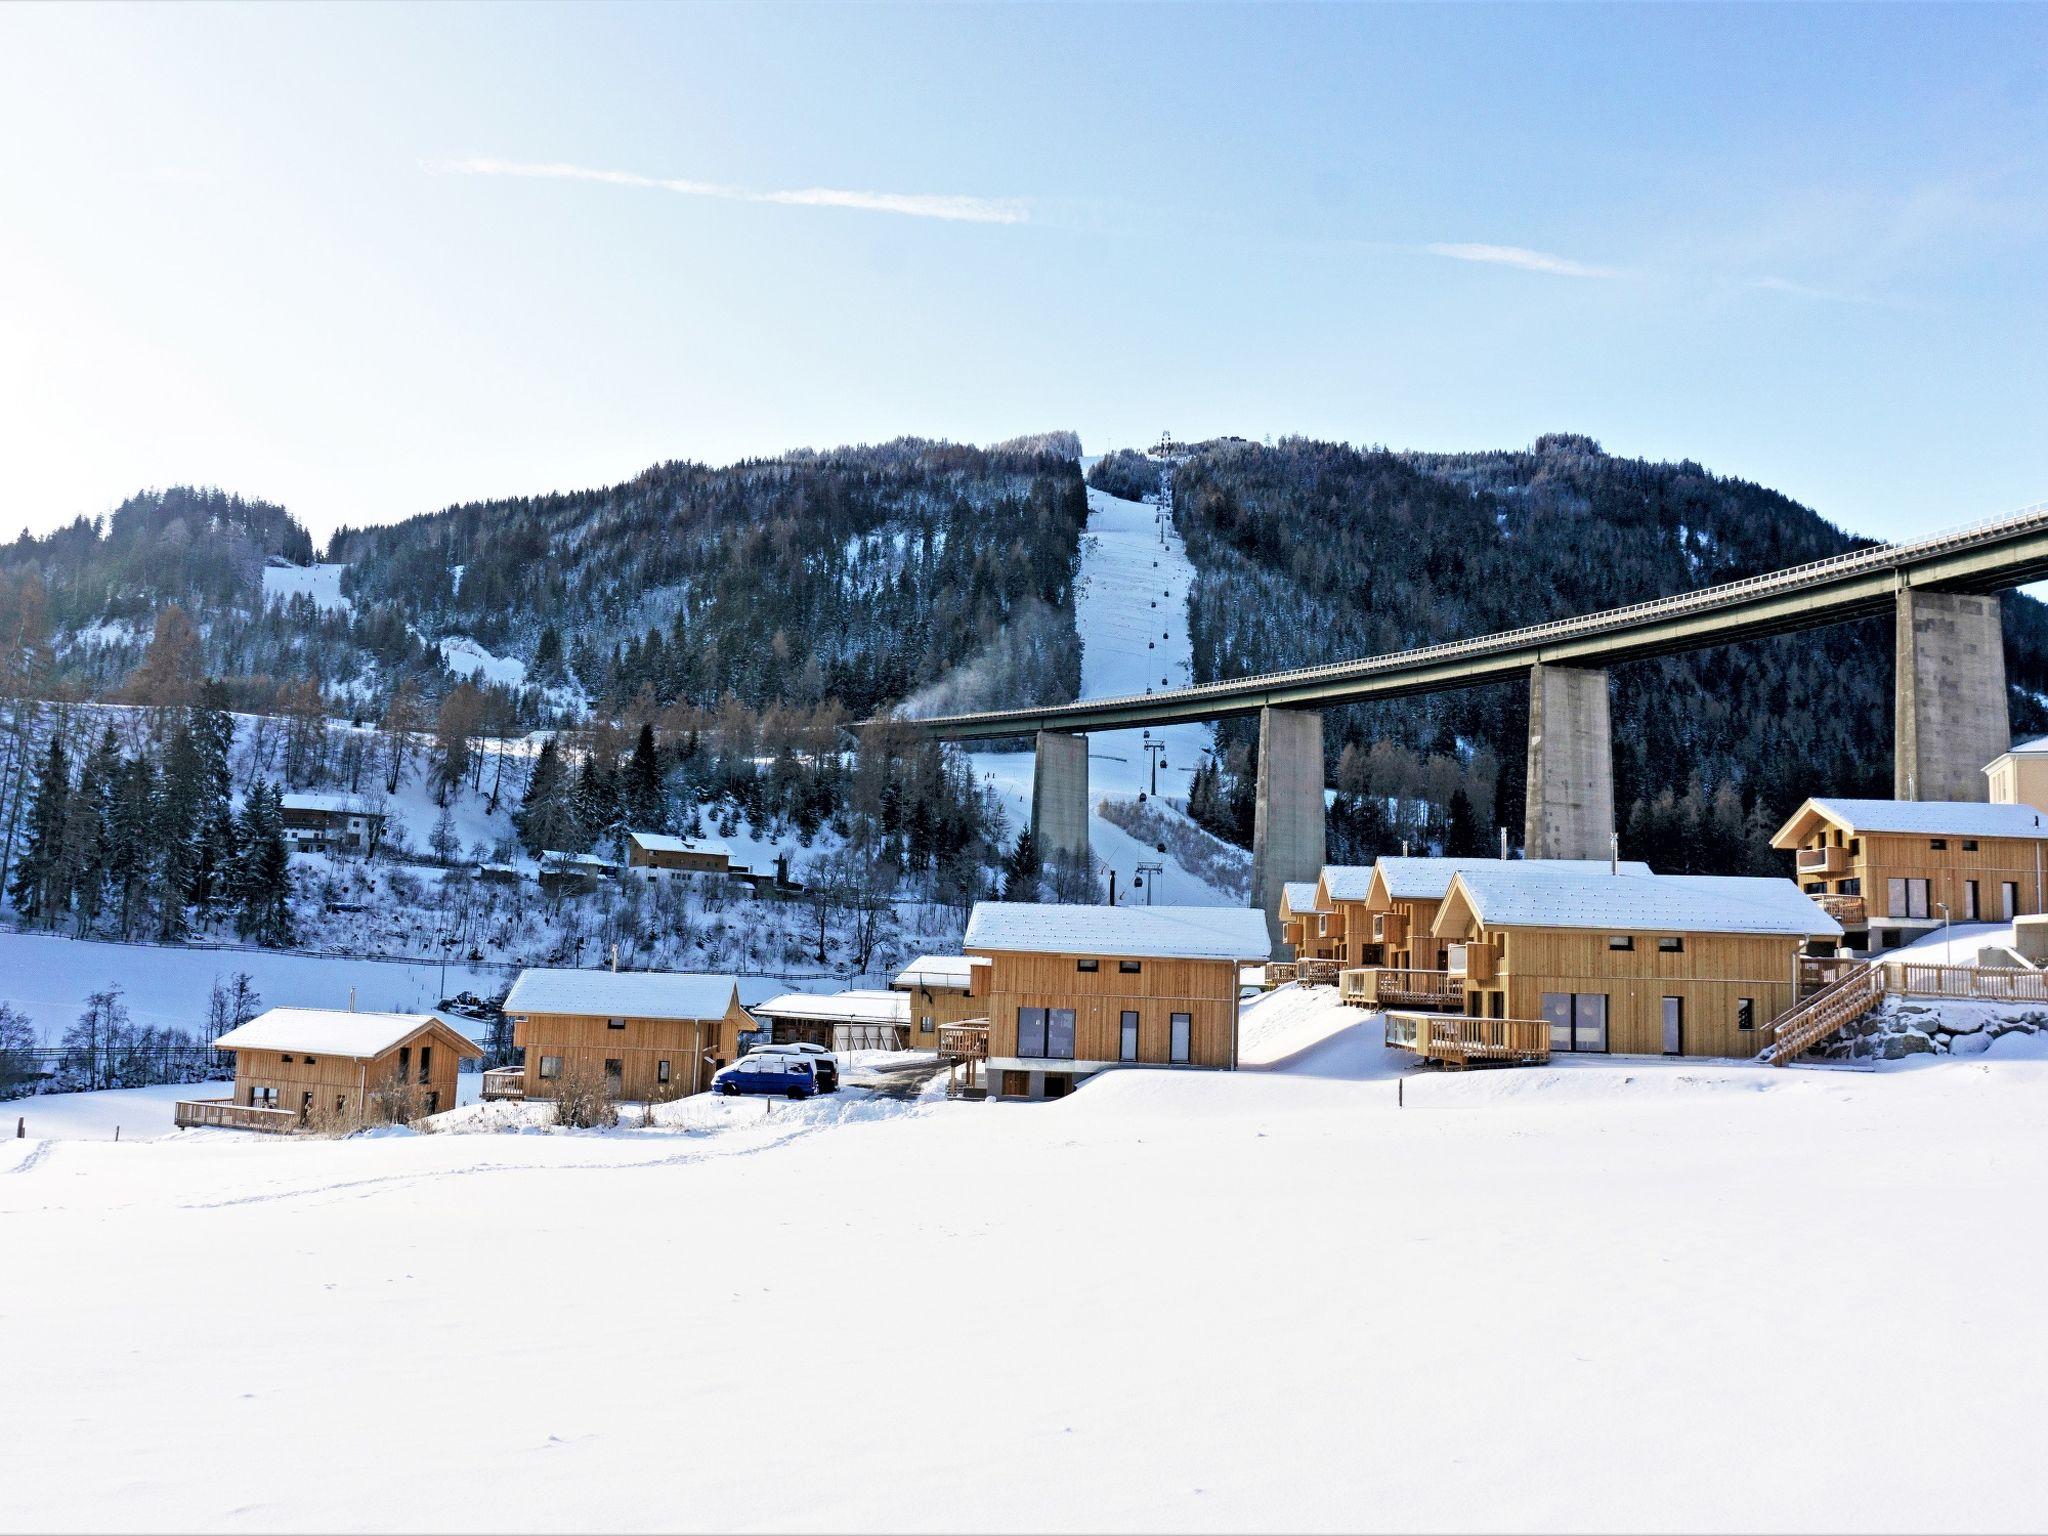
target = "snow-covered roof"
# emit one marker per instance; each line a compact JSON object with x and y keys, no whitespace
{"x":1176,"y":933}
{"x":1347,"y":882}
{"x":622,"y":994}
{"x":334,"y":1032}
{"x":555,"y":858}
{"x":947,"y":972}
{"x":662,"y":842}
{"x":2037,"y":745}
{"x":1936,"y":818}
{"x":1515,"y":896}
{"x":339,"y":805}
{"x":1300,"y":895}
{"x":1421,"y":879}
{"x":855,"y":1007}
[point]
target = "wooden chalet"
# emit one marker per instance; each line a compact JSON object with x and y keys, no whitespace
{"x":941,"y":992}
{"x":1341,"y":923}
{"x":656,"y":854}
{"x":1675,"y":965}
{"x":1075,"y":990}
{"x":648,"y":1034}
{"x":316,"y":823}
{"x":1314,"y":951}
{"x":333,"y":1070}
{"x":1391,"y":906}
{"x":863,"y":1019}
{"x":1891,"y":871}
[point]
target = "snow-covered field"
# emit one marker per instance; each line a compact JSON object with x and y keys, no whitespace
{"x":1625,"y":1294}
{"x":322,"y":583}
{"x":1131,"y":611}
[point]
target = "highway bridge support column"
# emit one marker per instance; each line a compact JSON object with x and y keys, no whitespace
{"x":1570,"y":809}
{"x":1059,"y":799}
{"x":1949,"y":718}
{"x":1287,"y":821}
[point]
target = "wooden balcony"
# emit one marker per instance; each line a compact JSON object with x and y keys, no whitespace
{"x":1389,"y":927}
{"x":505,"y":1083}
{"x":1469,"y":962}
{"x":1279,"y":972}
{"x":227,"y":1115}
{"x":1381,"y":986}
{"x":1982,"y":983}
{"x":1849,"y":911}
{"x":964,"y":1042}
{"x":1459,"y":1040}
{"x":1822,"y":861}
{"x":1318,"y":973}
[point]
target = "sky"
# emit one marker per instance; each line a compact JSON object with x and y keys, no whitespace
{"x":370,"y":261}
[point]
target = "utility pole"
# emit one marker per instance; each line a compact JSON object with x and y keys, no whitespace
{"x":1156,"y":751}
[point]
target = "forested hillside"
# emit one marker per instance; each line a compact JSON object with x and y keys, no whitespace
{"x":1313,"y":552}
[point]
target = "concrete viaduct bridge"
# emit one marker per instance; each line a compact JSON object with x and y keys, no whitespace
{"x":1950,"y":717}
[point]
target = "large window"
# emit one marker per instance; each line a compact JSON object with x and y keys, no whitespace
{"x":1905,"y":897}
{"x":1578,"y":1020}
{"x":1046,"y":1032}
{"x":1127,"y":1036}
{"x":1182,"y":1037}
{"x":551,"y":1066}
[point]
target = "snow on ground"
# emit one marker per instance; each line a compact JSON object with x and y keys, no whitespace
{"x":47,"y":978}
{"x":1959,"y":946}
{"x":1621,"y":1294}
{"x":140,"y":1113}
{"x":465,"y":658}
{"x":322,"y":583}
{"x":1132,"y":594}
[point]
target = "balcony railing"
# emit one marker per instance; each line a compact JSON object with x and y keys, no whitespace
{"x":1849,"y":911}
{"x":227,"y":1115}
{"x":1822,"y":861}
{"x":964,"y":1042}
{"x":1381,"y":986}
{"x":1318,"y":973}
{"x":505,"y":1083}
{"x":1279,"y":972}
{"x":1457,"y":1040}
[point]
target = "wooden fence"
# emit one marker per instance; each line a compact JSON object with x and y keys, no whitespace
{"x":1462,"y":1040}
{"x":226,"y":1114}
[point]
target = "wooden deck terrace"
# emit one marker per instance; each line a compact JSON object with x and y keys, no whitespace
{"x":505,"y":1083}
{"x":227,"y":1115}
{"x":1458,"y":1040}
{"x":1381,"y":986}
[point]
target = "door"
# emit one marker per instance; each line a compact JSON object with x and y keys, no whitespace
{"x":1969,"y":901}
{"x":1589,"y":1021}
{"x":1557,"y":1011}
{"x":1127,"y":1035}
{"x":1674,"y":1026}
{"x":1180,"y":1037}
{"x":2009,"y":895}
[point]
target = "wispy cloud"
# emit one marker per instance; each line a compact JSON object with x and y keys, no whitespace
{"x":1522,"y":257}
{"x":916,"y":205}
{"x":1808,"y":291}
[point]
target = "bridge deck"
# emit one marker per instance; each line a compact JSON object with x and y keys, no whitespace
{"x":1984,"y":557}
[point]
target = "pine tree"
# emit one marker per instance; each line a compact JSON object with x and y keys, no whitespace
{"x":36,"y":891}
{"x":1021,"y":870}
{"x":181,"y":802}
{"x":642,"y":788}
{"x":263,"y":883}
{"x":1463,"y":837}
{"x":547,"y":817}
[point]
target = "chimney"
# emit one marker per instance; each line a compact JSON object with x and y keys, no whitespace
{"x":351,"y":999}
{"x":1614,"y":853}
{"x":1503,"y":845}
{"x":615,"y":959}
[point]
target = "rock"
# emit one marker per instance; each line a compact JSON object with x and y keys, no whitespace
{"x":1896,"y":1046}
{"x":1965,"y":1023}
{"x":1971,"y":1045}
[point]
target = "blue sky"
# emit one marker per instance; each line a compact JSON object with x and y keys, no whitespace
{"x":309,"y":254}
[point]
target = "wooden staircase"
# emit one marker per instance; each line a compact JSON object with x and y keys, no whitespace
{"x":1842,"y":1002}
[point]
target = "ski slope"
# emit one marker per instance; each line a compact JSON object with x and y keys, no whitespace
{"x":1131,"y":610}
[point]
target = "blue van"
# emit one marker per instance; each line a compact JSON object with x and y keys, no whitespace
{"x":789,"y":1076}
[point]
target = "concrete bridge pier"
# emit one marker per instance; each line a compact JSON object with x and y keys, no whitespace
{"x":1949,"y":717}
{"x":1059,"y":798}
{"x":1287,"y":822}
{"x":1570,"y":811}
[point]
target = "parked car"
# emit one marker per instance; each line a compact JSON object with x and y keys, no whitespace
{"x":790,"y":1076}
{"x":821,"y":1058}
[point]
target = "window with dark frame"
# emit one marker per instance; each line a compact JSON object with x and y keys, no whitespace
{"x":1129,"y":967}
{"x":1621,"y":941}
{"x":550,"y":1066}
{"x":1937,"y":843}
{"x":614,"y":1023}
{"x":661,"y":1072}
{"x":1087,"y":965}
{"x":1745,"y":1013}
{"x":1671,"y":945}
{"x":1030,"y":1031}
{"x":1969,"y":845}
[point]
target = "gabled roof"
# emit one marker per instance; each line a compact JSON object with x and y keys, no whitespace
{"x":1403,"y":878}
{"x":854,"y":1007}
{"x":341,"y":805}
{"x":336,"y":1032}
{"x":2035,"y":747}
{"x":1299,"y":896}
{"x":623,"y":994}
{"x":1920,"y":818}
{"x":557,"y":859}
{"x":943,"y":973}
{"x":662,"y":842}
{"x":1509,"y":896}
{"x":1345,"y":882}
{"x":1166,"y":933}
